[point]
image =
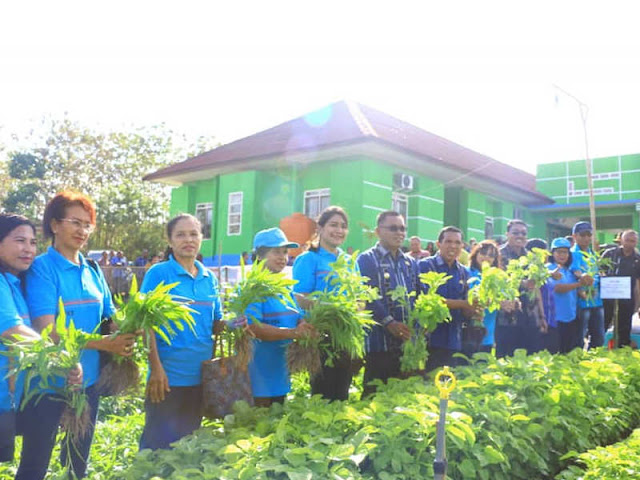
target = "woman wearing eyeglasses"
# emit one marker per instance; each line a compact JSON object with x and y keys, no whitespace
{"x":63,"y":272}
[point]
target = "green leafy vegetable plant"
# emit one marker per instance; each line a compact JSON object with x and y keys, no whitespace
{"x":530,"y":267}
{"x":155,"y":311}
{"x":339,"y":317}
{"x":595,"y":264}
{"x":495,"y":287}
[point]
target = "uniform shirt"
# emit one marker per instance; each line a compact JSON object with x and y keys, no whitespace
{"x":579,"y":263}
{"x":311,"y":270}
{"x":448,"y":334}
{"x":13,"y":312}
{"x":183,"y":358}
{"x":84,"y":292}
{"x":268,"y":368}
{"x":566,"y":303}
{"x":386,"y":273}
{"x":624,"y":266}
{"x":529,"y":314}
{"x":489,"y":319}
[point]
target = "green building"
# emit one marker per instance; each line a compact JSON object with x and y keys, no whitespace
{"x":350,"y":155}
{"x":616,"y":188}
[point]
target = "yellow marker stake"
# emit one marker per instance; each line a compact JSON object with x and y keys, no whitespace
{"x":445,"y":383}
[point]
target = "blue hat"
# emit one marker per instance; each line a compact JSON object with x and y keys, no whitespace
{"x":560,"y":242}
{"x":272,"y":238}
{"x":582,"y":227}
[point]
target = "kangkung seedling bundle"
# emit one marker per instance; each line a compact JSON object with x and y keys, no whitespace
{"x":429,"y":310}
{"x":259,"y":285}
{"x":155,"y":311}
{"x":338,"y":315}
{"x":495,"y":287}
{"x":46,"y":365}
{"x":595,"y":264}
{"x":530,"y":267}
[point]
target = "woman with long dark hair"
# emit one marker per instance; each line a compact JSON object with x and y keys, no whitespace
{"x":62,"y":272}
{"x":484,"y":251}
{"x":17,"y":250}
{"x":173,"y":406}
{"x":312,"y":271}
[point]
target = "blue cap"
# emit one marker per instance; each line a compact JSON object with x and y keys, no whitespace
{"x":272,"y":238}
{"x":560,"y":242}
{"x":582,"y":227}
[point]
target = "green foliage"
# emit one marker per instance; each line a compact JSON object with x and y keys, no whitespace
{"x":530,"y":267}
{"x":156,"y":310}
{"x":495,"y":287}
{"x":618,"y":461}
{"x":429,"y":310}
{"x":508,"y":419}
{"x":337,"y":312}
{"x":595,"y":264}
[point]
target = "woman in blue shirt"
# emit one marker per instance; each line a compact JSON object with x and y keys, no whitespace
{"x":17,"y":250}
{"x":63,"y":272}
{"x":173,"y":407}
{"x":484,"y":251}
{"x":274,"y":325}
{"x":311,"y":269}
{"x":565,"y":285}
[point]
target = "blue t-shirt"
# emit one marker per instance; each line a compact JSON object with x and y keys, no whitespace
{"x":268,"y":368}
{"x":13,"y":312}
{"x":579,"y":263}
{"x":311,"y":270}
{"x":84,"y":292}
{"x":489,"y":319}
{"x":183,"y":358}
{"x":566,"y":303}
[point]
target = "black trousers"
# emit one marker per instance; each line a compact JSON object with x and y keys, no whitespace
{"x":625,"y":313}
{"x":178,"y":415}
{"x":509,"y":338}
{"x":380,"y":366}
{"x":333,"y":382}
{"x":570,"y":335}
{"x":439,"y":357}
{"x":39,"y":425}
{"x":7,"y":435}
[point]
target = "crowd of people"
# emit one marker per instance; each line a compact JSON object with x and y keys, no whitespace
{"x":557,"y":317}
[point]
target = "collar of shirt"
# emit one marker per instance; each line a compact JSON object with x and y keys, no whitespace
{"x":179,"y":269}
{"x":440,"y":262}
{"x":510,"y":253}
{"x":12,"y":280}
{"x":326,"y":253}
{"x":64,"y":263}
{"x":384,"y":252}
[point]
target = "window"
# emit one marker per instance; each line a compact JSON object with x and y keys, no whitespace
{"x":315,"y":201}
{"x":488,"y":227}
{"x":400,"y":204}
{"x":204,"y":213}
{"x":518,"y":213}
{"x":234,"y":217}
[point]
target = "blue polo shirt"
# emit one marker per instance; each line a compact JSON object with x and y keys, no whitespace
{"x":13,"y":312}
{"x":489,"y":319}
{"x":448,"y":335}
{"x":268,"y":368}
{"x":566,"y":303}
{"x":183,"y":358}
{"x":312,"y":268}
{"x":84,"y":292}
{"x":579,"y":263}
{"x":386,"y":273}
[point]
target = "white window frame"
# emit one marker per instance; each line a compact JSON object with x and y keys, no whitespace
{"x":489,"y":226}
{"x":321,"y":194}
{"x":237,"y":223}
{"x":208,"y":220}
{"x":397,"y":199}
{"x":518,"y":213}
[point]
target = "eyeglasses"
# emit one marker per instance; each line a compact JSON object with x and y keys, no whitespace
{"x":394,"y":228}
{"x":518,"y":232}
{"x":79,"y":225}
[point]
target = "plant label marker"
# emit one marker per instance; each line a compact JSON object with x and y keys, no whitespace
{"x":445,"y":383}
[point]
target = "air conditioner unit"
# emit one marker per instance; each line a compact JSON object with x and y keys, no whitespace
{"x":403,"y":182}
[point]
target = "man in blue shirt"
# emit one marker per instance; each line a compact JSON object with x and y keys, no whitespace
{"x":446,"y":339}
{"x":590,"y":308}
{"x":387,"y":267}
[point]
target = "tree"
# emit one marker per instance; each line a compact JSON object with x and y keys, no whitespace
{"x":107,"y":166}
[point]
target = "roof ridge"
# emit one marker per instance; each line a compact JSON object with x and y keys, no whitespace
{"x":362,"y":122}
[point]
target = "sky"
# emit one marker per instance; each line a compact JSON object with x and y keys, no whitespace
{"x":481,"y":74}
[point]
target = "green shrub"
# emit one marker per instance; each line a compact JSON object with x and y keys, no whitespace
{"x":508,"y":419}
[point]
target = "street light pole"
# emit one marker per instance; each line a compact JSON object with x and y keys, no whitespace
{"x":584,"y":111}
